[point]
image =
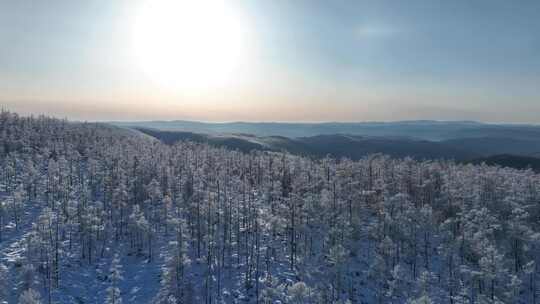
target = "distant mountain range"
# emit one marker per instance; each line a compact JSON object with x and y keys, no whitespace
{"x":507,"y":145}
{"x":423,"y":129}
{"x":336,"y":145}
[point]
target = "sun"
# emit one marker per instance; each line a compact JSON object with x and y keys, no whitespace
{"x":189,"y":44}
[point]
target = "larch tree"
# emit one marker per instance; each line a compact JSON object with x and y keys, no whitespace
{"x":115,"y":276}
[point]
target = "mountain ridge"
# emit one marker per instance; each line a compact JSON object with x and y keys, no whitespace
{"x":421,"y":129}
{"x":358,"y":146}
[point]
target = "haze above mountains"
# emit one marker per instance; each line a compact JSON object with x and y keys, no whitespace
{"x":458,"y":140}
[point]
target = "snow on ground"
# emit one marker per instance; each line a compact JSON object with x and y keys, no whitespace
{"x":13,"y":243}
{"x":83,"y":283}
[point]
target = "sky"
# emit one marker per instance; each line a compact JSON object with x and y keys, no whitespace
{"x":279,"y":60}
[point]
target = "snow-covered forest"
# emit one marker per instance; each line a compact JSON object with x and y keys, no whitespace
{"x":91,"y":213}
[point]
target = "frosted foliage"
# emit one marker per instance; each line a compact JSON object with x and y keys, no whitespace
{"x":91,"y":213}
{"x":30,"y":296}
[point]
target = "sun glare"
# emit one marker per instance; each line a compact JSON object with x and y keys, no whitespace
{"x":189,"y":44}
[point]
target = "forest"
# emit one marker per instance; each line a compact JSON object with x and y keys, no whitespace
{"x":94,"y":213}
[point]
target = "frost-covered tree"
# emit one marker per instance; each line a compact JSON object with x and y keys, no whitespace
{"x":139,"y":226}
{"x":421,"y":300}
{"x":300,"y":293}
{"x":115,"y":276}
{"x":30,"y":296}
{"x":18,"y":204}
{"x":4,"y":287}
{"x":3,"y":211}
{"x":492,"y":271}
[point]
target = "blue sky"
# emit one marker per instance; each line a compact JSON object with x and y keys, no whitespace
{"x":308,"y":61}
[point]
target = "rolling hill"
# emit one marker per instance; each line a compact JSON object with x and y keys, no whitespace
{"x":335,"y":145}
{"x":420,"y":129}
{"x":506,"y":152}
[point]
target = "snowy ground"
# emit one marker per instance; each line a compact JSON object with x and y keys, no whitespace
{"x":13,"y":246}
